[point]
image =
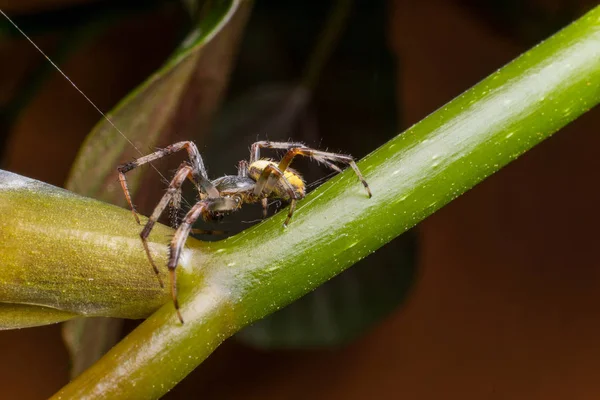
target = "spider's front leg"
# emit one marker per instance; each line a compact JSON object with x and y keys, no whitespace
{"x":198,"y":170}
{"x":259,"y":189}
{"x":203,"y":208}
{"x":174,"y":190}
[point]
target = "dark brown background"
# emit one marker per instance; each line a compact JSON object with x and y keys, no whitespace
{"x":507,"y":299}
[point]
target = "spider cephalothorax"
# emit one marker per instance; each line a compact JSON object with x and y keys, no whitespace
{"x":257,"y":181}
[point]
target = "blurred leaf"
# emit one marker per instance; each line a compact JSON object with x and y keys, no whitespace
{"x":274,"y":111}
{"x":179,"y":99}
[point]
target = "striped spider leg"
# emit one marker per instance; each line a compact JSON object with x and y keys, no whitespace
{"x":203,"y":208}
{"x":283,"y":181}
{"x":267,"y":180}
{"x":193,"y":170}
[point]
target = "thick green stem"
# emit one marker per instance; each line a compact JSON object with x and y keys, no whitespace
{"x":229,"y":284}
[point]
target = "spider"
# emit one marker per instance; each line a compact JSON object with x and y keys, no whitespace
{"x":257,"y":180}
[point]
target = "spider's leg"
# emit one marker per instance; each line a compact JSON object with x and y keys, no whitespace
{"x":273,"y":171}
{"x":175,"y":203}
{"x":321,"y":156}
{"x":176,"y":246}
{"x":265,"y":206}
{"x":174,"y":190}
{"x":123,"y":183}
{"x":293,"y":146}
{"x":266,"y":144}
{"x":199,"y":172}
{"x":202,"y":208}
{"x":243,"y":169}
{"x":175,"y":206}
{"x":196,"y":162}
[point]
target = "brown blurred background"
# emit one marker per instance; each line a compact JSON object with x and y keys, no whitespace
{"x":506,"y":299}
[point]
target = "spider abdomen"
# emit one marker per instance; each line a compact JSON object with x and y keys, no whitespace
{"x":279,"y":190}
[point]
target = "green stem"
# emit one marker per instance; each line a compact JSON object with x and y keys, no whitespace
{"x":229,"y":284}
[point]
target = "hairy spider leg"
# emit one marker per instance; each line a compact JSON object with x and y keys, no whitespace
{"x":320,"y":156}
{"x":265,"y":144}
{"x":262,"y":180}
{"x":265,"y":206}
{"x":198,"y":170}
{"x":243,"y":172}
{"x":173,"y":191}
{"x":202,"y":208}
{"x":294,"y":149}
{"x":243,"y":169}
